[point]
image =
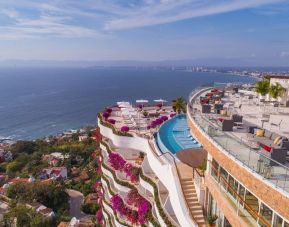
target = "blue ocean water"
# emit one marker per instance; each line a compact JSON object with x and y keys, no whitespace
{"x":35,"y":102}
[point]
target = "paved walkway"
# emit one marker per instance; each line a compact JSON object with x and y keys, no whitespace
{"x":76,"y":200}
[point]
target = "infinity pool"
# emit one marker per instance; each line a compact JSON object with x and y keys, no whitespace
{"x":174,"y":135}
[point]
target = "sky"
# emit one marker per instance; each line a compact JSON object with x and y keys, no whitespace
{"x":148,"y":30}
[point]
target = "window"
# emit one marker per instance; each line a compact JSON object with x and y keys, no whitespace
{"x":286,"y":224}
{"x":214,"y":169}
{"x":223,"y":177}
{"x":266,"y":213}
{"x":252,"y":204}
{"x":241,"y":193}
{"x":277,"y":221}
{"x":233,"y":186}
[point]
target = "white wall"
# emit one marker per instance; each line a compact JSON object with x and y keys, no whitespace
{"x":161,"y":166}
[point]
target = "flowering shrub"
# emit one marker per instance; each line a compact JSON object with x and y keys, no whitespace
{"x":143,"y":209}
{"x":99,"y":215}
{"x":118,"y":204}
{"x":131,"y":172}
{"x":116,"y":161}
{"x":136,"y":200}
{"x":133,"y":216}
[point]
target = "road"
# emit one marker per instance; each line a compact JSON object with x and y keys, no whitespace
{"x":76,"y":200}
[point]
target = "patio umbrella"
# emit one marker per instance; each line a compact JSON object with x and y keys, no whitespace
{"x":141,"y":101}
{"x":160,"y":101}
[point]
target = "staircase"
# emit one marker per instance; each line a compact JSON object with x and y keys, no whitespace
{"x":192,"y":200}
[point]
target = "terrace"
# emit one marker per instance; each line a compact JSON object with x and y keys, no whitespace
{"x":139,"y":120}
{"x":213,"y":113}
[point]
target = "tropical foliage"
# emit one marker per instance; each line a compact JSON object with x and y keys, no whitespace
{"x":263,"y":86}
{"x":25,"y":217}
{"x":276,"y":90}
{"x":179,"y":105}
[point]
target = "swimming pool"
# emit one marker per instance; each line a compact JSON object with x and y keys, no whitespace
{"x":174,"y":135}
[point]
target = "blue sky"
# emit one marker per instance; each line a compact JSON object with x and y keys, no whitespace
{"x":145,"y":30}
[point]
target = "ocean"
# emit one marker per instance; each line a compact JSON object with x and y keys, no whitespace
{"x":36,"y":102}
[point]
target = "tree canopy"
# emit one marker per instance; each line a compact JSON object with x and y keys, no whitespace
{"x":179,"y":105}
{"x":263,"y":86}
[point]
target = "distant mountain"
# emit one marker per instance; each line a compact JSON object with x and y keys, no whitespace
{"x":207,"y":62}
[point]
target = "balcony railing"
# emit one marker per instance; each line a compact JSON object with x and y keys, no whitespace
{"x":270,"y":170}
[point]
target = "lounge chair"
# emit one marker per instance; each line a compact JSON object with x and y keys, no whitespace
{"x":276,"y":124}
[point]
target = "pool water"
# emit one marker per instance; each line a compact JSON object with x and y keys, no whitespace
{"x":174,"y":135}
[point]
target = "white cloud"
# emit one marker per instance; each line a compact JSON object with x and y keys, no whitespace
{"x":90,"y":18}
{"x":167,"y":11}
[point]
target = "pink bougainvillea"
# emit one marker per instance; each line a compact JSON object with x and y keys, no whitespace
{"x":143,"y":206}
{"x":132,"y":172}
{"x":118,"y":204}
{"x":116,"y":161}
{"x":99,"y":215}
{"x":143,"y":209}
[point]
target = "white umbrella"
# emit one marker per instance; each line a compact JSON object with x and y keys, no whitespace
{"x":141,"y":101}
{"x":160,"y":100}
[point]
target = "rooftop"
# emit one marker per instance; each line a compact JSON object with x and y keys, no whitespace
{"x":237,"y":141}
{"x":138,"y":120}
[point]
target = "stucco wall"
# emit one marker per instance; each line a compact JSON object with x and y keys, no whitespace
{"x":161,"y":166}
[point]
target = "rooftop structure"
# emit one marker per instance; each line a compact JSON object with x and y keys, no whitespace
{"x":246,"y":163}
{"x":159,"y":178}
{"x":236,"y":176}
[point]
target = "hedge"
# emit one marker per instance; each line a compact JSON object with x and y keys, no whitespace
{"x":108,"y":125}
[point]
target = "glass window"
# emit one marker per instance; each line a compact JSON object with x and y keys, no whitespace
{"x":252,"y":204}
{"x":286,"y":224}
{"x":277,"y":221}
{"x":215,"y":167}
{"x":241,"y":193}
{"x":267,"y":214}
{"x":233,"y":187}
{"x":223,"y":177}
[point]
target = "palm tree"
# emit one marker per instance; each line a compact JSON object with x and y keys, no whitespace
{"x":263,"y":86}
{"x":179,"y":105}
{"x":276,"y":90}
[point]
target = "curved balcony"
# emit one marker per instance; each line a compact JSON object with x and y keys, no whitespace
{"x":148,"y":182}
{"x":164,"y":166}
{"x":118,"y":221}
{"x":239,"y":159}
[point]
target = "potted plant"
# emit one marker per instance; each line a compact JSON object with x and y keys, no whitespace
{"x":262,"y":87}
{"x":179,"y":105}
{"x":212,"y":220}
{"x":141,"y":155}
{"x":145,"y":113}
{"x":276,"y":90}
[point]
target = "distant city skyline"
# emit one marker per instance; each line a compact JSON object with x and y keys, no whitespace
{"x":251,"y":32}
